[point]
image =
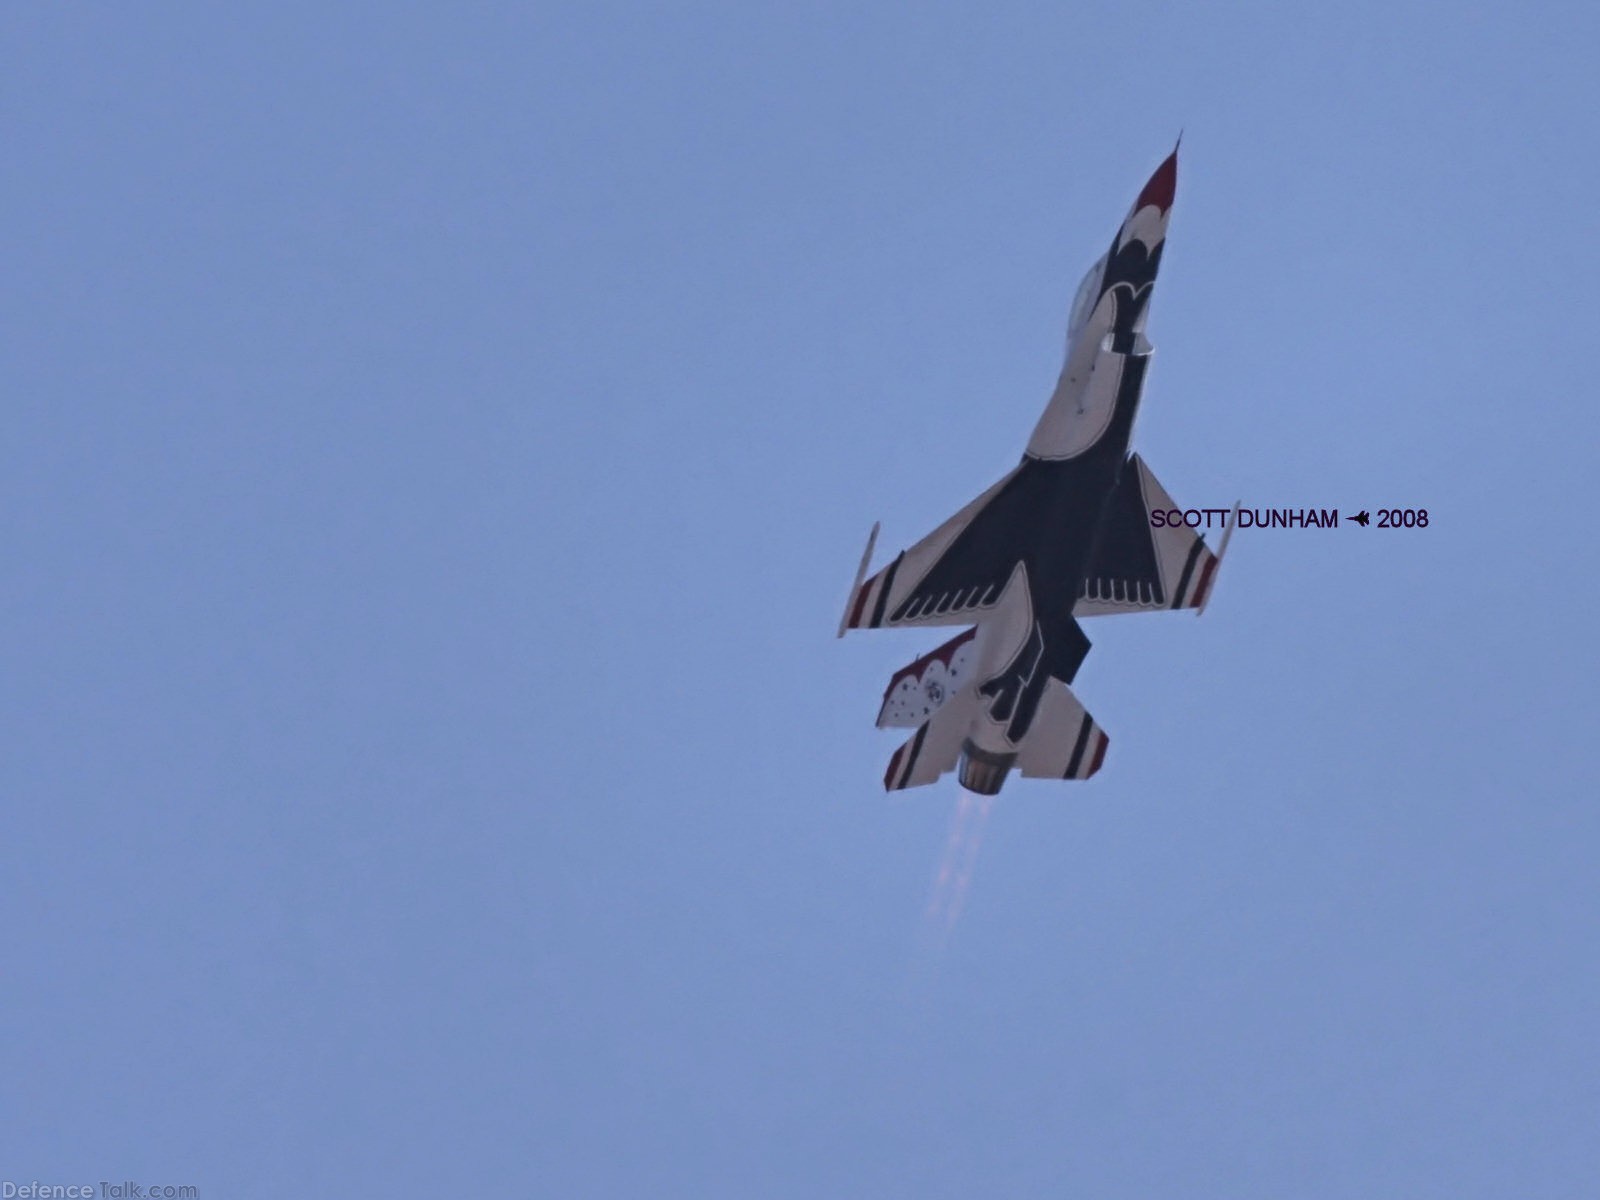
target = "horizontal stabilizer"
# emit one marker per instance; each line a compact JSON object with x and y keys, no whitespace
{"x":1064,"y":742}
{"x":918,"y":691}
{"x":936,"y":746}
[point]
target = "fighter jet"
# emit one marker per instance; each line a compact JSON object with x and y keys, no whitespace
{"x":1066,"y":534}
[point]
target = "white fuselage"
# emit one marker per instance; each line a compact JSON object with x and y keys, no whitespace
{"x":1085,"y":397}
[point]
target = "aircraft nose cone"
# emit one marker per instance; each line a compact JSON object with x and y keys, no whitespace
{"x":1162,"y":186}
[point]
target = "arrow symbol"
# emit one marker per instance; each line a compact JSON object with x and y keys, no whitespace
{"x":1361,"y":518}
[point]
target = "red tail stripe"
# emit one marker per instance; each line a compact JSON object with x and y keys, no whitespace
{"x":861,"y":602}
{"x":1099,"y":753}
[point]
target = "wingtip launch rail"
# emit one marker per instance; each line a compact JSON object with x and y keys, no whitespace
{"x":861,"y":573}
{"x":1222,"y":548}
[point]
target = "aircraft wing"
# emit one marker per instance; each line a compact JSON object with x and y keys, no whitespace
{"x":958,"y":570}
{"x":1137,"y":567}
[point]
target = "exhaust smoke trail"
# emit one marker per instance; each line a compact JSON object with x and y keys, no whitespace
{"x":955,"y":865}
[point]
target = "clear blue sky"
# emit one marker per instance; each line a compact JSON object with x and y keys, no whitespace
{"x":437,"y":443}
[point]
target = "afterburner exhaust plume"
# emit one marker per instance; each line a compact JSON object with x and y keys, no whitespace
{"x":960,"y":855}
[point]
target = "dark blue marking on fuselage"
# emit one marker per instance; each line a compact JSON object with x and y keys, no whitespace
{"x":1048,"y":517}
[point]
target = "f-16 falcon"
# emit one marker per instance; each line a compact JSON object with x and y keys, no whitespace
{"x":1066,"y":534}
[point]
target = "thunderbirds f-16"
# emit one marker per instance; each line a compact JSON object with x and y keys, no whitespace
{"x":1066,"y":534}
